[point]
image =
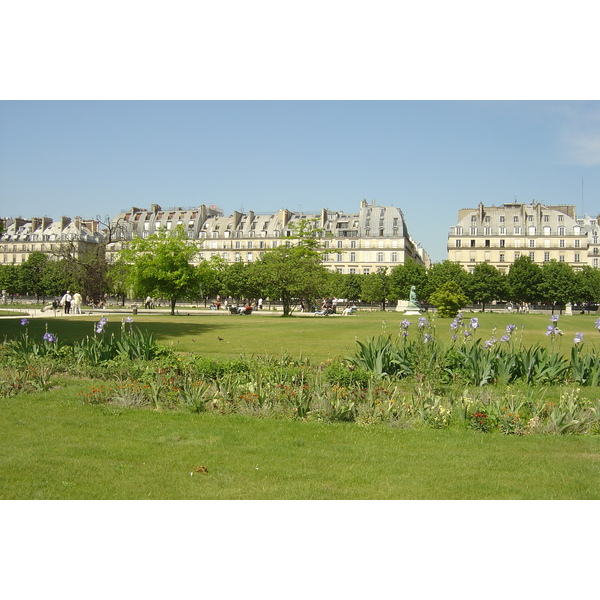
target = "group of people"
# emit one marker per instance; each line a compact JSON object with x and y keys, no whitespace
{"x":69,"y":302}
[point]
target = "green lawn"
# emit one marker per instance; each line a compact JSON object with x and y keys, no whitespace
{"x":55,"y":447}
{"x":319,"y":338}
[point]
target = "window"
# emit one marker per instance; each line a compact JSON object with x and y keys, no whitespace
{"x":546,"y":230}
{"x":249,"y":257}
{"x":531,"y":230}
{"x":561,"y":231}
{"x":394,"y":257}
{"x":560,"y":218}
{"x":380,"y":257}
{"x":502,"y":219}
{"x":352,"y":256}
{"x":339,"y":257}
{"x":532,"y":256}
{"x":352,"y":271}
{"x":532,"y":243}
{"x":473,"y":231}
{"x":365,"y":271}
{"x":501,"y":259}
{"x":577,"y":243}
{"x":340,"y":244}
{"x":502,"y":243}
{"x":353,"y":244}
{"x":459,"y":231}
{"x":515,"y":219}
{"x":561,"y":243}
{"x":546,"y":218}
{"x":530,"y":217}
{"x":487,"y":231}
{"x":472,"y":243}
{"x":517,"y":255}
{"x":561,"y":258}
{"x":595,"y":263}
{"x":502,"y":231}
{"x":487,"y":243}
{"x":487,"y":219}
{"x":546,"y":256}
{"x":457,"y":243}
{"x":577,"y":257}
{"x":249,"y":245}
{"x":517,"y":231}
{"x":473,"y":218}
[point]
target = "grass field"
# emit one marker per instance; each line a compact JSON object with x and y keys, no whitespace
{"x":224,"y":336}
{"x":54,"y":446}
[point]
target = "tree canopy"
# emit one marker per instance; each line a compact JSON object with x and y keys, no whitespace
{"x":161,"y":265}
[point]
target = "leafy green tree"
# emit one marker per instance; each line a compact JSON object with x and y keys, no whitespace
{"x":402,"y":277}
{"x":558,"y":283}
{"x":236,"y":280}
{"x":9,"y":279}
{"x":448,"y":299}
{"x":58,"y":277}
{"x":291,"y":272}
{"x":523,"y":278}
{"x":587,"y":286}
{"x":31,"y":274}
{"x":375,"y":287}
{"x":441,"y":273}
{"x":161,"y":265}
{"x":117,"y":277}
{"x":486,"y":284}
{"x":352,"y":286}
{"x":210,"y":274}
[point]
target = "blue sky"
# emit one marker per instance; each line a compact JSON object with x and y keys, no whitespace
{"x":430,"y":158}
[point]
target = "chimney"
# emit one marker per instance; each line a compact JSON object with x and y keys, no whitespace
{"x":64,"y":221}
{"x":35,"y":223}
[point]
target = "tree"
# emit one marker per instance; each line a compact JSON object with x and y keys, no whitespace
{"x":449,"y":299}
{"x":402,"y":277}
{"x":161,"y":265}
{"x":31,"y":274}
{"x":375,"y":287}
{"x":9,"y":279}
{"x":523,"y":279}
{"x":486,"y":284}
{"x":236,"y":281}
{"x":587,"y":286}
{"x":291,"y":272}
{"x":557,"y":283}
{"x":352,"y":286}
{"x":441,"y":273}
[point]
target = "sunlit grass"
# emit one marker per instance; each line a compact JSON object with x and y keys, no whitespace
{"x":56,"y":447}
{"x":317,"y":338}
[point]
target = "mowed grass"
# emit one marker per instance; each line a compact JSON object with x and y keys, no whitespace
{"x":221,"y":335}
{"x":53,"y":446}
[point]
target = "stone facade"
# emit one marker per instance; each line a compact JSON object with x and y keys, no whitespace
{"x":501,"y":234}
{"x":376,"y":236}
{"x":20,"y":237}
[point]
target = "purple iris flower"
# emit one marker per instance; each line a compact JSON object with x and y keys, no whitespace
{"x":49,"y":337}
{"x":24,"y":322}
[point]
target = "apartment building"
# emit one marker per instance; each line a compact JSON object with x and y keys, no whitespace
{"x":500,"y":235}
{"x":376,"y":236}
{"x":20,"y":237}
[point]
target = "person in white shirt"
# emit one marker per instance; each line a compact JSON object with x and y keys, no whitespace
{"x":66,"y":302}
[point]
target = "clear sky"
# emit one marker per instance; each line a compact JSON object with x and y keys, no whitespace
{"x":430,"y":158}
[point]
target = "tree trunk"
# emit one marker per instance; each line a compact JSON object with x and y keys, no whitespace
{"x":173,"y":302}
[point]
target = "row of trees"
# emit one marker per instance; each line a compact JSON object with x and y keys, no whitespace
{"x":162,"y":266}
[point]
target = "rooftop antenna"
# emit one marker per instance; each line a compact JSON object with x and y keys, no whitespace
{"x":582,"y":210}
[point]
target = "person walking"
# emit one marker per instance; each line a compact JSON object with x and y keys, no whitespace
{"x":66,"y":302}
{"x":76,"y":303}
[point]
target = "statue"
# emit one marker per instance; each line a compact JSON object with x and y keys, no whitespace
{"x":413,"y":307}
{"x":412,"y":298}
